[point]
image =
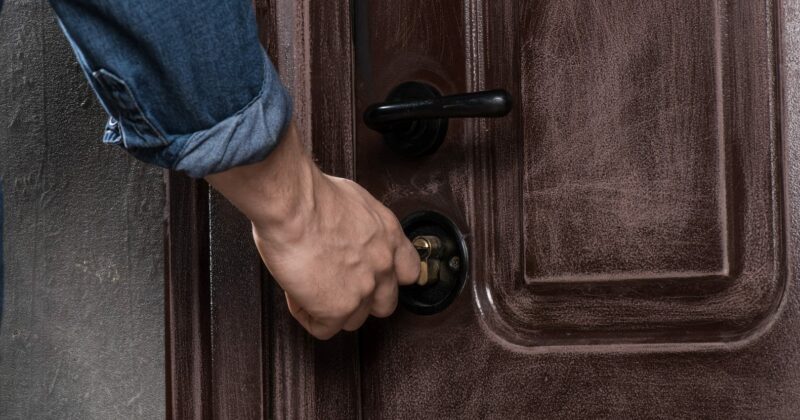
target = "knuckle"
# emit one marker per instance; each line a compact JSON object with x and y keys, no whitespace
{"x":335,"y":310}
{"x":365,"y":292}
{"x":388,"y":216}
{"x":365,"y":288}
{"x":346,"y":307}
{"x":320,"y":329}
{"x":382,"y":311}
{"x":398,"y":231}
{"x":384,"y":260}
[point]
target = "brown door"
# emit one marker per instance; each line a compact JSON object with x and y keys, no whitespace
{"x":628,"y":225}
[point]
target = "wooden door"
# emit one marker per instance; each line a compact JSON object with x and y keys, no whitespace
{"x":625,"y":223}
{"x":629,"y":224}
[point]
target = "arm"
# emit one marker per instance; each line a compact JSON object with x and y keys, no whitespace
{"x":188,"y":87}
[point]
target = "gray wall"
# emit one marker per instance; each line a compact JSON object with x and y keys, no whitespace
{"x":82,"y":329}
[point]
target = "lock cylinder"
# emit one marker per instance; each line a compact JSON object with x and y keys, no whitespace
{"x":442,"y":254}
{"x":429,"y":249}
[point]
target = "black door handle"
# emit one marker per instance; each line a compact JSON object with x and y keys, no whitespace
{"x":413,"y":120}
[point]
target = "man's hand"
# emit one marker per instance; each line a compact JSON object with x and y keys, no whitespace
{"x":337,"y":252}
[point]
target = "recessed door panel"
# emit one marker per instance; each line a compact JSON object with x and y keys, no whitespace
{"x":622,"y":115}
{"x":633,"y":196}
{"x":641,"y":190}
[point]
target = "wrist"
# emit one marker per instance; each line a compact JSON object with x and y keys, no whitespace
{"x":278,"y":191}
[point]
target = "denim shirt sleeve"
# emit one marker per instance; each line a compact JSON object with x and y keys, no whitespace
{"x":186,"y":83}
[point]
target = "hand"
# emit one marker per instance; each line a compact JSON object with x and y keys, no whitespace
{"x":343,"y":262}
{"x":337,"y":252}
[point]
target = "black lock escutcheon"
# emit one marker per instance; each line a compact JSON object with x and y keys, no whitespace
{"x":444,"y":262}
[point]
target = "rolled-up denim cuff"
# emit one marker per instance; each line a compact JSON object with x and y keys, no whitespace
{"x":245,"y":137}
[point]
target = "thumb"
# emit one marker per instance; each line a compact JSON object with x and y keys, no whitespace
{"x":406,"y":263}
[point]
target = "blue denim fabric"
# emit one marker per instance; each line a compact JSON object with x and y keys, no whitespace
{"x":186,"y":83}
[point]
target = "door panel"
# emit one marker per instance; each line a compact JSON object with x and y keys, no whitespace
{"x":622,"y":118}
{"x":644,"y":166}
{"x":624,"y":223}
{"x":633,"y":196}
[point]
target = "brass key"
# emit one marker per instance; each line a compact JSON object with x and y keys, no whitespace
{"x":429,"y":247}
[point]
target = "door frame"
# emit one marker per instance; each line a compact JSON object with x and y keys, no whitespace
{"x":229,"y":354}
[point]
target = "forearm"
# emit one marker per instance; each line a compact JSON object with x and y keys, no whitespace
{"x":275,"y":190}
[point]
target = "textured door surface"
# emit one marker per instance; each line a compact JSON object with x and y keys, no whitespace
{"x":632,"y":224}
{"x":625,"y":223}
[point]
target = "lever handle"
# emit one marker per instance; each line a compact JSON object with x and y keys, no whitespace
{"x":413,"y":119}
{"x":490,"y":103}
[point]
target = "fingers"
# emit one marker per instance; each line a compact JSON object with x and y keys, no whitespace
{"x":358,"y":317}
{"x":403,"y":270}
{"x":406,"y":257}
{"x":385,"y":298}
{"x":406,"y":263}
{"x":381,"y":304}
{"x":325,"y":329}
{"x":320,"y":329}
